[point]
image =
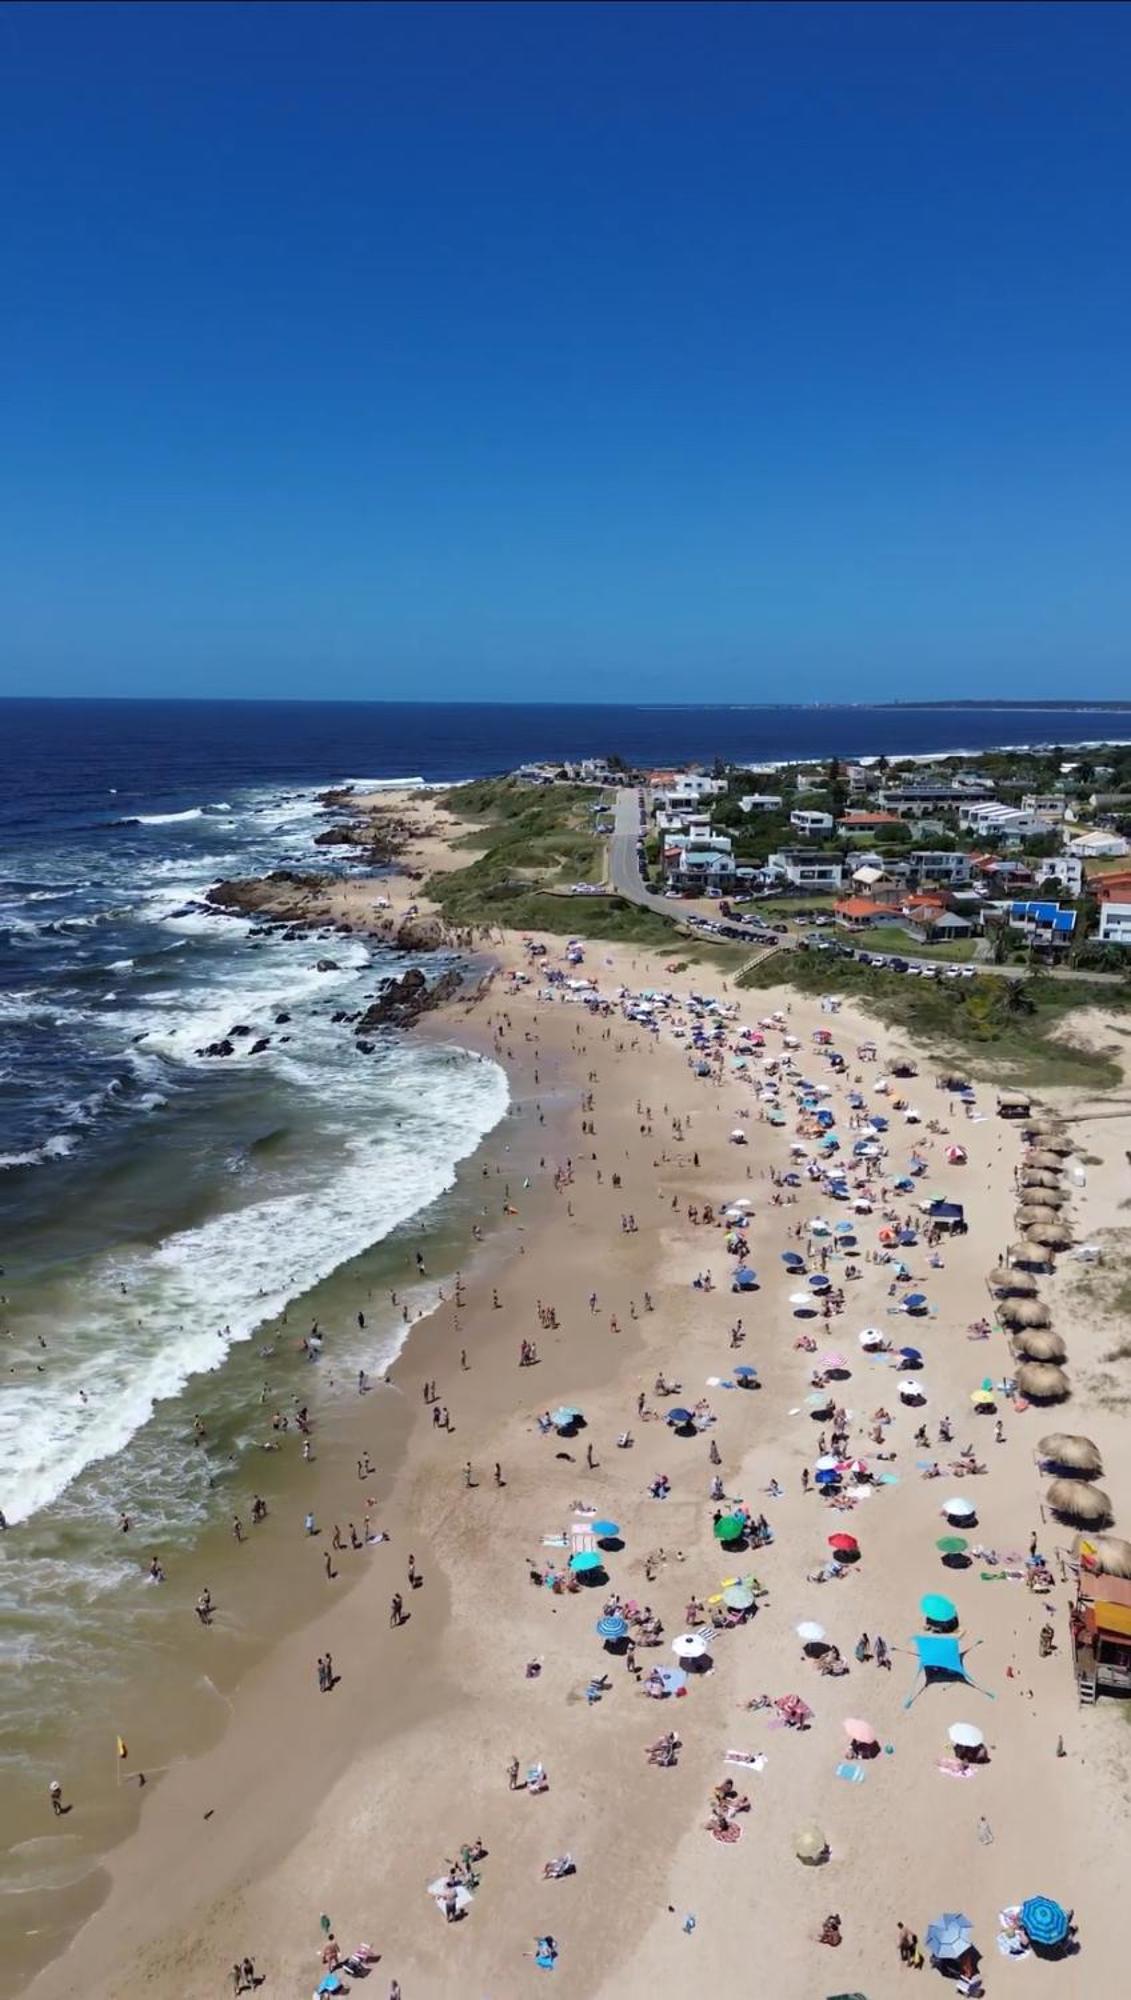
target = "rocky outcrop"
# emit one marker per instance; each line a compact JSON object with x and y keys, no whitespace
{"x":419,"y":934}
{"x":402,"y":1001}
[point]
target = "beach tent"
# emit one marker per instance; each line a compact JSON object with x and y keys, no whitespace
{"x":940,"y":1661}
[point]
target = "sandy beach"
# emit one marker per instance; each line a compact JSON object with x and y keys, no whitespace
{"x":347,"y":1804}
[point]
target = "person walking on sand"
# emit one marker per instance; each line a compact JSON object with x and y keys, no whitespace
{"x":512,"y":1775}
{"x":412,"y":1571}
{"x":55,"y":1794}
{"x":468,"y":1478}
{"x":396,"y":1609}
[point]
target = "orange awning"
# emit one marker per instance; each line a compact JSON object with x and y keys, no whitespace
{"x":1113,"y":1618}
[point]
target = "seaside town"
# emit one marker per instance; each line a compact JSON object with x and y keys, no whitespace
{"x":740,"y":1565}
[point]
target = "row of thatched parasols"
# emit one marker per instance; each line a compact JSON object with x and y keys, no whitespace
{"x":1074,"y":1461}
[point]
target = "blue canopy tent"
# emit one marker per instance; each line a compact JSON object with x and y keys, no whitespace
{"x":941,"y":1660}
{"x":946,"y":1211}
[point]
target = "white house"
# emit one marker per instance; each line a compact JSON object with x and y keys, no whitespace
{"x":997,"y":822}
{"x":1043,"y":923}
{"x":761,"y":802}
{"x":803,"y":869}
{"x":1099,"y":845}
{"x":1049,"y":805}
{"x":806,"y":821}
{"x":931,"y":864}
{"x":1115,"y":923}
{"x":1067,"y":869}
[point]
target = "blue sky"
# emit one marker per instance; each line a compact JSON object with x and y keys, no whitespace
{"x":582,"y":352}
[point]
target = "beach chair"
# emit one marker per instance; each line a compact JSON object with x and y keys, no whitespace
{"x":582,"y":1540}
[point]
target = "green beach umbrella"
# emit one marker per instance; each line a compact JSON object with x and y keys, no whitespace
{"x":738,"y":1596}
{"x":730,"y":1528}
{"x":952,"y":1545}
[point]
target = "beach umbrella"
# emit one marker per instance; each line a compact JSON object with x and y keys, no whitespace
{"x":916,"y":1301}
{"x":801,"y":1299}
{"x":613,"y":1627}
{"x":1036,"y":1215}
{"x":810,"y":1843}
{"x":952,"y":1545}
{"x":730,"y":1528}
{"x":938,"y":1610}
{"x":911,"y":1392}
{"x":957,"y":1509}
{"x":1028,"y":1253}
{"x":965,"y":1736}
{"x":564,"y":1419}
{"x":1044,"y":1921}
{"x":828,"y":1478}
{"x":689,"y":1646}
{"x":746,"y":1374}
{"x":872,"y":1337}
{"x":844,"y":1545}
{"x":819,"y":1283}
{"x":1040,"y":1345}
{"x":859,"y":1731}
{"x":811,"y":1634}
{"x":1041,"y":1382}
{"x":911,"y":1357}
{"x":829,"y":1463}
{"x":1021,"y":1284}
{"x":792,"y":1261}
{"x":983,"y":1399}
{"x":950,"y":1936}
{"x":1010,"y":1310}
{"x":738,"y":1597}
{"x":1074,"y":1500}
{"x":679,"y":1419}
{"x":833,"y":1364}
{"x":1109,"y":1555}
{"x":1050,"y":1235}
{"x":1076,"y":1454}
{"x":1058,"y":1145}
{"x":1031,"y":1312}
{"x":585,"y":1561}
{"x":606,"y":1531}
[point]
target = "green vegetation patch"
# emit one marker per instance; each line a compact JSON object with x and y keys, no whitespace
{"x":994,"y":1027}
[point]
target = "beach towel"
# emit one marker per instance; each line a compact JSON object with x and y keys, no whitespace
{"x":750,"y":1760}
{"x":851,"y":1773}
{"x":951,"y":1768}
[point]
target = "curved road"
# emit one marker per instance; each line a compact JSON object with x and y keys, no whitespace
{"x":624,"y":868}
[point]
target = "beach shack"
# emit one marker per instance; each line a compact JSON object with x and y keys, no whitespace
{"x":1101,"y":1636}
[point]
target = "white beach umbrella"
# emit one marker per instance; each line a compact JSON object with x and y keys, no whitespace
{"x":689,"y":1646}
{"x":810,"y":1633}
{"x":957,"y":1509}
{"x":965,"y":1736}
{"x":872,"y":1337}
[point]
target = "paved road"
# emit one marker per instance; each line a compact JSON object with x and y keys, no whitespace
{"x":624,"y":868}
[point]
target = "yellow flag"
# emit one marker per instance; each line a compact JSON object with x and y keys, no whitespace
{"x":122,"y":1751}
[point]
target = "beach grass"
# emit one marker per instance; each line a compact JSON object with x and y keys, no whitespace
{"x":994,"y":1027}
{"x":889,"y":937}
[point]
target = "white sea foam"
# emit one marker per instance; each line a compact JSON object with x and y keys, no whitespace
{"x":398,"y":1135}
{"x":161,"y":819}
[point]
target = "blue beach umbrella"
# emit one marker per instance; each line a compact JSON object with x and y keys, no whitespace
{"x":1044,"y":1921}
{"x":938,"y":1610}
{"x":827,"y":1478}
{"x":744,"y":1373}
{"x":612,"y":1627}
{"x":672,"y":1679}
{"x":680,"y":1417}
{"x":792,"y":1261}
{"x":818,"y":1282}
{"x":605,"y":1531}
{"x":915,"y":1301}
{"x":562,"y":1419}
{"x":950,"y":1935}
{"x":584,"y":1561}
{"x":911,"y":1357}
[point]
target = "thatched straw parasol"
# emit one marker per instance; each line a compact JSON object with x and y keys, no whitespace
{"x":1039,"y":1177}
{"x":1028,"y":1254}
{"x":1058,"y":1144}
{"x":1024,"y":1312}
{"x":1036,"y":1218}
{"x":1109,"y":1554}
{"x":1076,"y":1454}
{"x":1042,"y":1382}
{"x":1039,"y":1343}
{"x":1073,"y":1500}
{"x":1021,"y":1284}
{"x":1046,"y":1197}
{"x":1048,"y":1161}
{"x":1054,"y":1235}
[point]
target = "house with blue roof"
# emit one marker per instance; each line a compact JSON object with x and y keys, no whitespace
{"x":1046,"y":925}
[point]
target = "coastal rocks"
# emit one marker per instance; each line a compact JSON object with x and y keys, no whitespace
{"x":327,"y":965}
{"x":419,"y":934}
{"x":224,"y":1048}
{"x":402,"y":1001}
{"x":258,"y":1047}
